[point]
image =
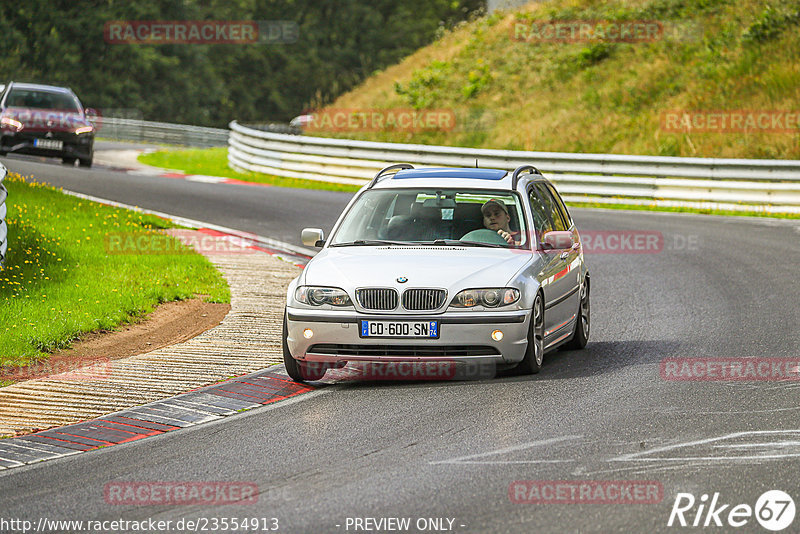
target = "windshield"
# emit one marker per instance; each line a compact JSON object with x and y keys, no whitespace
{"x":435,"y":216}
{"x":38,"y":99}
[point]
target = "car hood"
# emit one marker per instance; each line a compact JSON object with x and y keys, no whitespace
{"x":47,"y":119}
{"x":453,"y":268}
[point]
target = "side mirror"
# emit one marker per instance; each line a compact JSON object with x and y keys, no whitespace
{"x":312,"y":237}
{"x":557,"y":240}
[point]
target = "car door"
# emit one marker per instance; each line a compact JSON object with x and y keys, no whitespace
{"x":560,"y":274}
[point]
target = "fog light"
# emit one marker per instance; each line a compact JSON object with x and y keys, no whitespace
{"x":497,"y":335}
{"x":308,"y":333}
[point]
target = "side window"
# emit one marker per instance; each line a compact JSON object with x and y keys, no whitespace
{"x":559,"y":224}
{"x":541,"y":215}
{"x":561,"y":207}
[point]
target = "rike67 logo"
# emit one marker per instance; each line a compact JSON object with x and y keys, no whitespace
{"x":774,"y":510}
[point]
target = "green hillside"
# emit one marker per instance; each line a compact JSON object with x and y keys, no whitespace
{"x":510,"y":87}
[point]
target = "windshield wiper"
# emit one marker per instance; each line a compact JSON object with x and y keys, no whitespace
{"x":370,"y":243}
{"x":457,"y":242}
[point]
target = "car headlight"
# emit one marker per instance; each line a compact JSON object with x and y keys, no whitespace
{"x":319,"y":296}
{"x":489,"y":298}
{"x":84,"y":130}
{"x":8,"y":122}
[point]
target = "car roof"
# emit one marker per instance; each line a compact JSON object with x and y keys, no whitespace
{"x":446,"y":172}
{"x":41,"y":87}
{"x":446,"y":177}
{"x":475,"y":178}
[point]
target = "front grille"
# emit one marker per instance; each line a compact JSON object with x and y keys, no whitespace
{"x":377,"y":298}
{"x":423,"y":299}
{"x":441,"y":351}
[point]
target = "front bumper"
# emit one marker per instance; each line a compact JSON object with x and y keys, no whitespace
{"x":23,"y":143}
{"x":463,"y":337}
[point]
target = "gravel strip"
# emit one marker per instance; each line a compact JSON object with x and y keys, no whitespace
{"x":248,"y":339}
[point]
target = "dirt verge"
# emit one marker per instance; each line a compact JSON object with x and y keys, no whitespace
{"x":168,"y":324}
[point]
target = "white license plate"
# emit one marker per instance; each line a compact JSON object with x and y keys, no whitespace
{"x":51,"y":144}
{"x":407,"y":329}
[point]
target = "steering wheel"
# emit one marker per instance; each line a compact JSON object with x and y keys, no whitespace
{"x":485,"y":236}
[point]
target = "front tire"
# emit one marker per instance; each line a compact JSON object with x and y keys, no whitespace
{"x":68,"y":160}
{"x":299,"y":371}
{"x":534,"y":354}
{"x":583,"y":322}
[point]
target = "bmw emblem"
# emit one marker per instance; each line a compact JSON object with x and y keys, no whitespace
{"x":402,"y":279}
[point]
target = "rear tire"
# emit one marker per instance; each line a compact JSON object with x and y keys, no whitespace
{"x":583,"y":321}
{"x":299,"y":371}
{"x":534,"y":354}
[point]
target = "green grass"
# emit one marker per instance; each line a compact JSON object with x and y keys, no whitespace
{"x":214,"y":162}
{"x":59,"y":281}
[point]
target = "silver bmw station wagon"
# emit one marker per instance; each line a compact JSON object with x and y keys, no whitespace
{"x":453,"y":265}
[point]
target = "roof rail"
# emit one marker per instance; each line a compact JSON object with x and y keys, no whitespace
{"x":398,"y":166}
{"x":519,"y":170}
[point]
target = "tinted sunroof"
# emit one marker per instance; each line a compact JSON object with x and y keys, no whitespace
{"x":474,"y":174}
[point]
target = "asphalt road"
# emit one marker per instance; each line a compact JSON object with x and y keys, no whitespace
{"x":276,"y":212}
{"x":721,"y":287}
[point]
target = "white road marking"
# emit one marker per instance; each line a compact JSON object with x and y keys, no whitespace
{"x":191,"y":223}
{"x":767,"y":444}
{"x":770,"y":410}
{"x":204,"y":178}
{"x":645,"y":469}
{"x":471,"y":459}
{"x":643,"y":456}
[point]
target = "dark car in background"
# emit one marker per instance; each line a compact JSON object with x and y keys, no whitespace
{"x":45,"y":120}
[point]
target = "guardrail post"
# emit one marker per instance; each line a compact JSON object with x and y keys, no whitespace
{"x":3,"y":211}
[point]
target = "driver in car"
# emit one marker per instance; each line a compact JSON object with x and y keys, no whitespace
{"x":496,"y":217}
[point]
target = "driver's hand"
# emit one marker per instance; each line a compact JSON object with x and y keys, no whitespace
{"x":505,"y":235}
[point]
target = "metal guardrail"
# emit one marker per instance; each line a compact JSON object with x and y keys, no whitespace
{"x":737,"y":184}
{"x":160,"y":132}
{"x":3,"y":211}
